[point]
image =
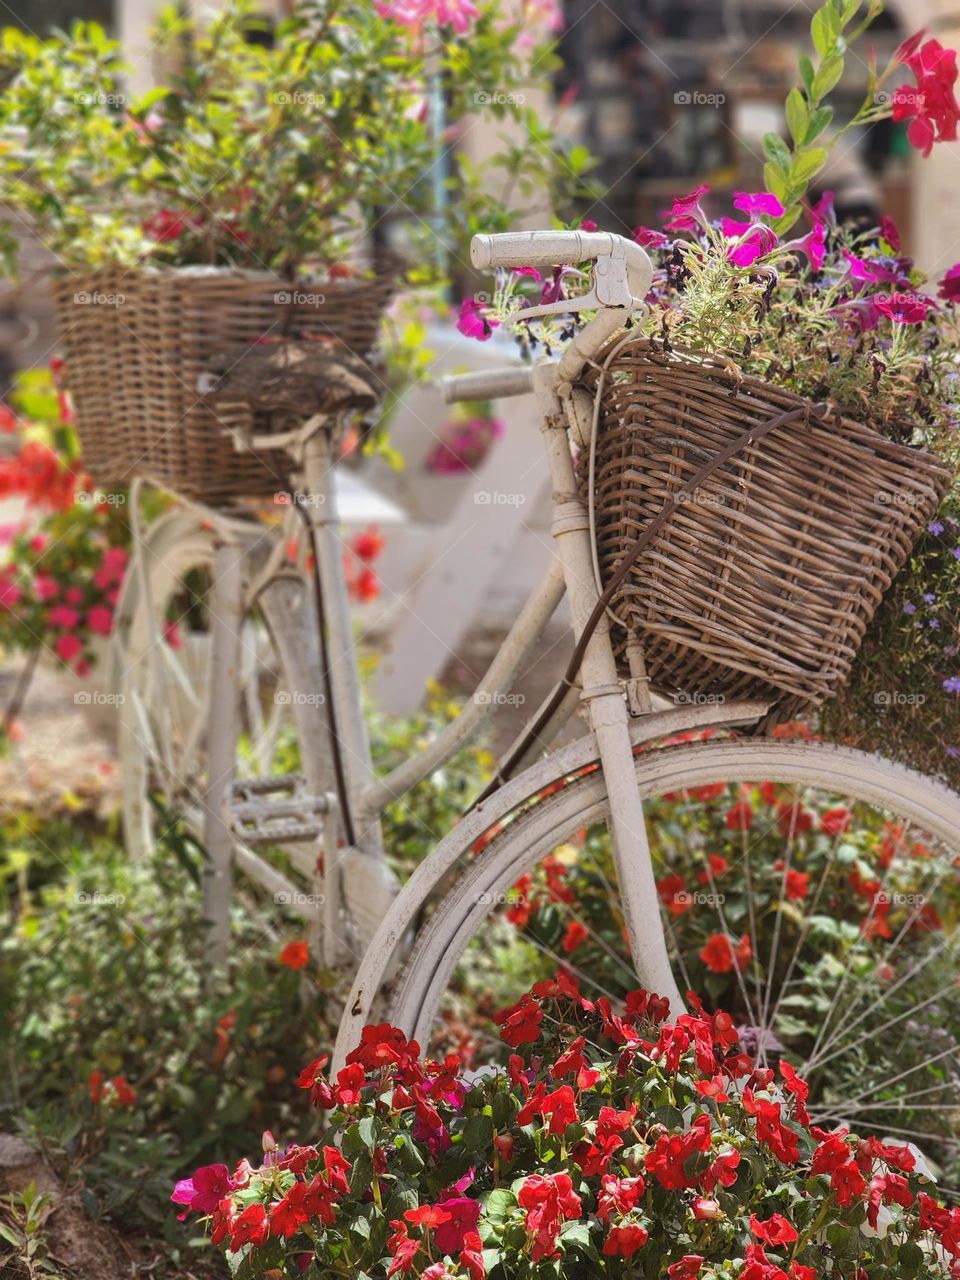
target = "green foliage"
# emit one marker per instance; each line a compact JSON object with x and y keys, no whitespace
{"x":267,"y":157}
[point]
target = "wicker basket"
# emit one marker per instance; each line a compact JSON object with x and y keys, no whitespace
{"x":763,"y":581}
{"x":136,"y":342}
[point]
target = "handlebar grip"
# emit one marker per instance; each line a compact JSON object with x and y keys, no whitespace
{"x":539,"y":248}
{"x":488,"y":384}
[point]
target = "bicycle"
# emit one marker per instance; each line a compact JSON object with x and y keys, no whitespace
{"x":857,"y":1009}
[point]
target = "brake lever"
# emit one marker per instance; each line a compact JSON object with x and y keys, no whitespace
{"x":610,"y":289}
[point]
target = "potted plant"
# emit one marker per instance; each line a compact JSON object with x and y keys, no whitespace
{"x":766,"y":584}
{"x":233,"y":203}
{"x":609,"y":1143}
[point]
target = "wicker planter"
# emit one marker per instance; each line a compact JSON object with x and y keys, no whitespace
{"x":763,"y":580}
{"x":136,"y":343}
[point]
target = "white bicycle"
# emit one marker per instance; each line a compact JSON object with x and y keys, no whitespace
{"x":809,"y":888}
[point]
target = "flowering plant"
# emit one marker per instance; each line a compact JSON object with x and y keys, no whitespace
{"x":272,"y":154}
{"x":614,"y":1143}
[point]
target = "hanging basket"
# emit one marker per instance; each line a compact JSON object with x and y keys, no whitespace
{"x":762,"y":581}
{"x":136,"y":342}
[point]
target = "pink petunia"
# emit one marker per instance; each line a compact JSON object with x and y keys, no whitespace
{"x":61,"y":615}
{"x":751,"y":240}
{"x":100,"y":620}
{"x":813,"y":245}
{"x":68,"y":647}
{"x":647,"y":238}
{"x":473,"y":321}
{"x":904,"y":308}
{"x":871,"y":270}
{"x":532,"y":272}
{"x":759,"y":205}
{"x":950,"y":284}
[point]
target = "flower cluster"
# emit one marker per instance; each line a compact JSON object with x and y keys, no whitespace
{"x":613,"y":1138}
{"x":463,"y":444}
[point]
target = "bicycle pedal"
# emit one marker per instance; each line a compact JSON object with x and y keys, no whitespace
{"x":275,"y":810}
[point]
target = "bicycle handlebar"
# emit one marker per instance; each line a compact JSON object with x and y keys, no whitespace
{"x":558,"y":248}
{"x":488,"y":384}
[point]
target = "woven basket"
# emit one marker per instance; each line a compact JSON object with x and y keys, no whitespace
{"x":763,"y":581}
{"x":136,"y":342}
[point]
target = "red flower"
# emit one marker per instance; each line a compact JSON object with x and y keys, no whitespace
{"x":705,"y":1210}
{"x":95,"y":1085}
{"x":560,"y":1106}
{"x":890,"y":232}
{"x":575,"y":935}
{"x":848,"y":1184}
{"x":520,"y":1024}
{"x":720,"y":955}
{"x":771,"y":1130}
{"x":618,"y":1195}
{"x":463,"y":1214}
{"x":668,"y":1158}
{"x":548,"y":1200}
{"x":471,"y":1256}
{"x":124,"y":1095}
{"x":775,"y":1230}
{"x":686,"y":1268}
{"x":672,"y":892}
{"x":350,"y":1081}
{"x":904,"y":308}
{"x":427,"y":1217}
{"x":740,"y":816}
{"x":252,"y":1227}
{"x":383,"y":1046}
{"x":950,"y":284}
{"x":930,"y":105}
{"x":402,"y":1249}
{"x":797,"y":885}
{"x":624,"y":1241}
{"x":836,"y":821}
{"x":799,"y":1088}
{"x":295,"y":955}
{"x":793,"y":820}
{"x":717,"y":864}
{"x":368,"y":545}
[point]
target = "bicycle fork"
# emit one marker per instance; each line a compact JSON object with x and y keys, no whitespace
{"x":607,"y":710}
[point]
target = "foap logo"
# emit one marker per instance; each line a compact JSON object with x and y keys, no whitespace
{"x":494,"y":498}
{"x":894,"y":698}
{"x":298,"y":698}
{"x":97,"y":298}
{"x":888,"y":899}
{"x":83,"y":899}
{"x":698,"y":699}
{"x":100,"y":99}
{"x":498,"y":699}
{"x":698,"y":98}
{"x":890,"y":498}
{"x":293,"y":898}
{"x":297,"y":298}
{"x":499,"y":98}
{"x":298,"y":499}
{"x":100,"y":499}
{"x":298,"y":98}
{"x":97,"y":698}
{"x":688,"y":900}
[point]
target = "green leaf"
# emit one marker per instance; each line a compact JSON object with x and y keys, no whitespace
{"x":366,"y":1132}
{"x":824,"y":29}
{"x":808,"y":163}
{"x":798,"y":115}
{"x":499,"y":1204}
{"x":806,"y":74}
{"x":827,"y":76}
{"x":777,"y":151}
{"x":775,"y":182}
{"x":819,"y":120}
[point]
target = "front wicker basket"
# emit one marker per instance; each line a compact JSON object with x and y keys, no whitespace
{"x":136,"y":342}
{"x":762,"y":583}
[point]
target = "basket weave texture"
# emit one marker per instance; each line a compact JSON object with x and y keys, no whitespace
{"x":763,"y":581}
{"x":136,"y":342}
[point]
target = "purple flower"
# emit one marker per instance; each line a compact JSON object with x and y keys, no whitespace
{"x":953,"y":752}
{"x":956,"y":553}
{"x":909,"y":608}
{"x":759,"y":205}
{"x":952,"y":684}
{"x":473,"y":322}
{"x":929,"y":598}
{"x":204,"y":1191}
{"x":935,"y":528}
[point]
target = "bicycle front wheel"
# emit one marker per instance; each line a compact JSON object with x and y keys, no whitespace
{"x":809,"y":890}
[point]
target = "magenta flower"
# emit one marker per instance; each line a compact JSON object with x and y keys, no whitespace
{"x":870,"y":270}
{"x":890,"y":232}
{"x":464,"y":1216}
{"x":204,"y":1191}
{"x":751,"y":241}
{"x":686,"y":210}
{"x":100,"y":619}
{"x":647,"y":238}
{"x":532,"y":272}
{"x":68,"y":647}
{"x":813,"y":245}
{"x":10,"y":593}
{"x":950,"y":284}
{"x":904,"y":308}
{"x":587,"y":224}
{"x":458,"y":14}
{"x":62,"y":615}
{"x":473,"y":322}
{"x":45,"y":588}
{"x":759,"y":205}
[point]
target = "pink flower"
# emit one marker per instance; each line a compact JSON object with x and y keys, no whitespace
{"x":532,"y":272}
{"x":473,"y":322}
{"x":10,"y":593}
{"x":204,"y":1191}
{"x":647,"y":238}
{"x":464,"y":1216}
{"x":588,"y":224}
{"x":760,"y":205}
{"x":904,"y":308}
{"x":61,"y":615}
{"x":890,"y":232}
{"x":100,"y":620}
{"x":930,"y":105}
{"x":870,"y":269}
{"x":68,"y":647}
{"x":686,"y":210}
{"x":458,"y":14}
{"x":813,"y":244}
{"x":171,"y":633}
{"x":45,"y":588}
{"x":752,"y":241}
{"x":74,"y":595}
{"x":950,"y":284}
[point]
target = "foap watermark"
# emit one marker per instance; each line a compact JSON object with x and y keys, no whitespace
{"x":298,"y":98}
{"x":686,"y":899}
{"x":499,"y":98}
{"x":700,"y":499}
{"x":899,"y":498}
{"x":698,"y":699}
{"x":494,"y":498}
{"x":294,"y":898}
{"x":900,"y":899}
{"x":97,"y":698}
{"x":298,"y":499}
{"x":894,"y":698}
{"x":297,"y":298}
{"x":298,"y":698}
{"x":97,"y":298}
{"x":83,"y":899}
{"x":508,"y":899}
{"x":698,"y":98}
{"x":100,"y":99}
{"x":498,"y":699}
{"x":97,"y":498}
